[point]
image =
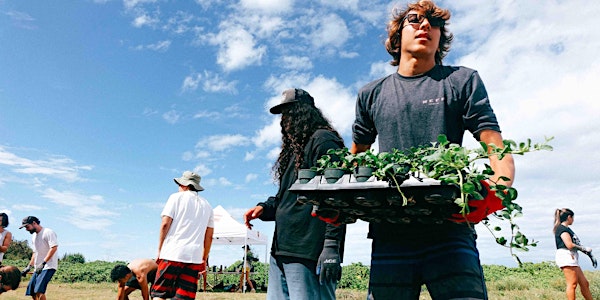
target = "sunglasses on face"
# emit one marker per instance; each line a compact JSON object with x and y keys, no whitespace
{"x":417,"y":19}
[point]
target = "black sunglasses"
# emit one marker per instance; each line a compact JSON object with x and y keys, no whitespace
{"x":418,"y":19}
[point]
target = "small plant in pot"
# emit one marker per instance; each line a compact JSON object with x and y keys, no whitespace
{"x":364,"y":163}
{"x":334,"y":164}
{"x":394,"y":167}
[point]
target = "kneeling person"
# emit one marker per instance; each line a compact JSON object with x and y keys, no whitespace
{"x":136,"y":275}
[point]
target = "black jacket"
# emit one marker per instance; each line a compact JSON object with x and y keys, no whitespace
{"x":297,"y":233}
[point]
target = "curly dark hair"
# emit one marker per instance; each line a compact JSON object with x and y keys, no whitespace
{"x":11,"y":276}
{"x":118,"y":272}
{"x":394,"y":29}
{"x":299,"y":121}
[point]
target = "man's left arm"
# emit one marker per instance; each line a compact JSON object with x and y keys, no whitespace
{"x":504,"y":167}
{"x":51,"y":253}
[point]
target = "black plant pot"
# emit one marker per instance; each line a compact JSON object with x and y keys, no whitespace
{"x":305,"y":175}
{"x":362,"y":174}
{"x":333,"y":175}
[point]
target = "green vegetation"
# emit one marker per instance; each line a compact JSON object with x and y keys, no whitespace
{"x":531,"y":281}
{"x":18,"y":250}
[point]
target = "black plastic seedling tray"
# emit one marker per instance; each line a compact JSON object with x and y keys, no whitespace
{"x":429,"y":202}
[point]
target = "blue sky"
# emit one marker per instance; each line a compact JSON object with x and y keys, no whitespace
{"x":103,"y":103}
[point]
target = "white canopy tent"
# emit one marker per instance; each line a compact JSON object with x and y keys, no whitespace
{"x":228,"y":231}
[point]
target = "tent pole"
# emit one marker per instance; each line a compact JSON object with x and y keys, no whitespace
{"x":244,"y":266}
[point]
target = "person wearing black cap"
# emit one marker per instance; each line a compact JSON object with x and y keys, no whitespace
{"x":184,"y":241}
{"x":44,"y":261}
{"x":306,"y":252}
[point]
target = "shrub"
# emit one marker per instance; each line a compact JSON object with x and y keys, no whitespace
{"x":355,"y":276}
{"x":73,"y":258}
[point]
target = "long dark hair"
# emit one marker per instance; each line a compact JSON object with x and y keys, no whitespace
{"x":561,"y":215}
{"x":299,"y":121}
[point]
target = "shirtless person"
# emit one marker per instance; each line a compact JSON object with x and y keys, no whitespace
{"x":136,"y":275}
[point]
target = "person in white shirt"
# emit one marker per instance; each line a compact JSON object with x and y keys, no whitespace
{"x":184,"y":242}
{"x":44,"y":261}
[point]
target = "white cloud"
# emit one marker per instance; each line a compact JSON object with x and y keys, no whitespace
{"x":19,"y":16}
{"x":202,"y":170}
{"x":56,"y":166}
{"x":335,"y":101}
{"x":214,"y":182}
{"x":85,"y":211}
{"x":273,"y":154}
{"x":144,"y":20}
{"x":161,"y":46}
{"x":331,"y":30}
{"x":269,"y":135}
{"x":222,"y":142}
{"x":171,"y":116}
{"x":268,"y":6}
{"x":224,"y":181}
{"x":180,"y":23}
{"x":381,"y":68}
{"x":300,"y":63}
{"x":129,"y":4}
{"x":251,"y":177}
{"x":207,"y":115}
{"x":237,"y":48}
{"x":27,"y":207}
{"x":249,"y":156}
{"x":211,"y":82}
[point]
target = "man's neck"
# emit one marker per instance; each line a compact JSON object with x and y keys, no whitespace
{"x":412,"y":66}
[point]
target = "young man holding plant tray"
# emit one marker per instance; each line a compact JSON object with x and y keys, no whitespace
{"x":410,"y":108}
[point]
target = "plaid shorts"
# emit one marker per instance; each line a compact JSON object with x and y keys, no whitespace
{"x":176,"y":280}
{"x":448,"y":266}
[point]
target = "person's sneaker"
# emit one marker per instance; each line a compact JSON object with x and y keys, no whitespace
{"x":252,"y":291}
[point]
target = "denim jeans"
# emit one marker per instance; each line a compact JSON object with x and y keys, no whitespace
{"x":297,"y":282}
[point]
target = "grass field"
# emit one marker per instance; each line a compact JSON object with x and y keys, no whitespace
{"x":509,"y":289}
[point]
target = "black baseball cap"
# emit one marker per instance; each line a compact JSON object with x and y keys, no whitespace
{"x":292,"y":96}
{"x":29,"y":220}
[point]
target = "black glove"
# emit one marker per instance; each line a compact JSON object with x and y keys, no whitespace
{"x":39,"y":268}
{"x":328,"y":265}
{"x":25,"y":271}
{"x":594,"y":261}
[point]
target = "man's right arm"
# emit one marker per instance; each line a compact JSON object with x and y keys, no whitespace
{"x":165,"y":225}
{"x":121,"y":291}
{"x":208,"y":238}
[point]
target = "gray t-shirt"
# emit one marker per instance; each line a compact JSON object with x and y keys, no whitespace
{"x":407,"y":112}
{"x":412,"y":111}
